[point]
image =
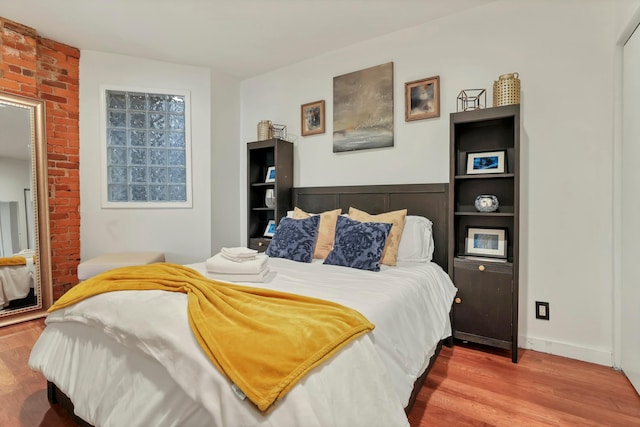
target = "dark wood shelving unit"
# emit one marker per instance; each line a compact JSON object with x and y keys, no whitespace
{"x":260,"y":156}
{"x":486,"y":306}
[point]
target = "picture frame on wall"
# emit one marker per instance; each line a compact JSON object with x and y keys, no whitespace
{"x":363,"y":115}
{"x":312,"y":118}
{"x":422,"y":99}
{"x":270,"y":229}
{"x":486,"y":162}
{"x":486,"y":242}
{"x":271,"y":174}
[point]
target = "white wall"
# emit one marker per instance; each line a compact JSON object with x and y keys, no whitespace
{"x":630,"y":269}
{"x":15,"y":176}
{"x":225,"y":185}
{"x":564,"y":53}
{"x":184,"y":235}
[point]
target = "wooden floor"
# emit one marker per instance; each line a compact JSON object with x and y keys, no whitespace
{"x":466,"y":387}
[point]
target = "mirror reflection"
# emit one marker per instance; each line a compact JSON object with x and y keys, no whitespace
{"x":21,"y":139}
{"x":17,"y":250}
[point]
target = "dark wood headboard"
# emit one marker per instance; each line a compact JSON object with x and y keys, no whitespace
{"x":428,"y":200}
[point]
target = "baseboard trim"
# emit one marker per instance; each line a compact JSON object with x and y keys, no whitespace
{"x":585,"y":354}
{"x":634,"y":379}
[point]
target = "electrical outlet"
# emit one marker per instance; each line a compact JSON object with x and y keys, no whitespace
{"x":542,"y":310}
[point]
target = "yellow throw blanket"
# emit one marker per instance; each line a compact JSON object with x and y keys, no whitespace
{"x":14,"y":260}
{"x":264,"y":341}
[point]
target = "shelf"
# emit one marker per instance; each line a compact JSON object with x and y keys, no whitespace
{"x":485,"y":176}
{"x":261,"y":156}
{"x":487,"y":214}
{"x":467,"y":210}
{"x":479,"y":259}
{"x":462,"y":336}
{"x":259,"y":243}
{"x":486,"y":307}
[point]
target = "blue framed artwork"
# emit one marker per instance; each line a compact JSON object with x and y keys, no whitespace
{"x":486,"y":162}
{"x":271,"y":174}
{"x":270,"y":230}
{"x":490,"y":242}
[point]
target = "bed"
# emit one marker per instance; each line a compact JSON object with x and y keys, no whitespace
{"x":16,"y":279}
{"x":117,"y":366}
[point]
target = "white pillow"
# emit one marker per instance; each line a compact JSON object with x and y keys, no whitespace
{"x":290,"y":214}
{"x":416,"y":243}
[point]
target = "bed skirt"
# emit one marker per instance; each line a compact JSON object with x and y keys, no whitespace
{"x":57,"y":397}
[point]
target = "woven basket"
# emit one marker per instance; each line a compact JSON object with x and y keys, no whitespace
{"x":265,"y":131}
{"x":506,"y":90}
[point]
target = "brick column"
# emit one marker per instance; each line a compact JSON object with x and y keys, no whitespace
{"x":37,"y":67}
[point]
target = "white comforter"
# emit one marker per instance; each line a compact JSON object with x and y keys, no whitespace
{"x":111,"y":353}
{"x":15,"y":283}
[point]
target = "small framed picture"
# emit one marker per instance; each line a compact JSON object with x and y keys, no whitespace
{"x":271,"y":174}
{"x":312,"y":118}
{"x":489,"y":242}
{"x":422,"y":99}
{"x":270,"y":230}
{"x":486,"y":162}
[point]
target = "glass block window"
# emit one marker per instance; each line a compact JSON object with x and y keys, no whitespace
{"x":147,"y":149}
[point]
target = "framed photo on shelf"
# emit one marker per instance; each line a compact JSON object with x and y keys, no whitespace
{"x":488,"y":242}
{"x":312,"y":118}
{"x":422,"y":99}
{"x":271,"y":174}
{"x":270,"y":230}
{"x":486,"y":162}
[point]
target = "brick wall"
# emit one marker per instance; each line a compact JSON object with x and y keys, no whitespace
{"x":37,"y":67}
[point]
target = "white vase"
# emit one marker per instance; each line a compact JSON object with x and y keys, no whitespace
{"x":270,"y":198}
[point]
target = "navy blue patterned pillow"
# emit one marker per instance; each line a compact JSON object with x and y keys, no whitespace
{"x":295,"y":239}
{"x":358,"y":244}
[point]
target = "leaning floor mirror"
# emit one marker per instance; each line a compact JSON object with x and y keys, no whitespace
{"x":25,"y":260}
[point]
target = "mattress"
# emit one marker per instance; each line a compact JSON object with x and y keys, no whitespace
{"x":129,"y":358}
{"x":15,"y":282}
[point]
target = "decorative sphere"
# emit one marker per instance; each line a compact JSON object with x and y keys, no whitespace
{"x":487,"y":203}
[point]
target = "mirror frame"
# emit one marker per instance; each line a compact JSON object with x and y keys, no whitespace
{"x":40,"y":192}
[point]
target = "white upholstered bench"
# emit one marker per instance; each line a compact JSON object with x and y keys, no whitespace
{"x":97,"y":265}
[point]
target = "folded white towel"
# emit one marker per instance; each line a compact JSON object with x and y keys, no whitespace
{"x":239,"y":252}
{"x":219,"y":264}
{"x":254,"y":278}
{"x":238,"y":259}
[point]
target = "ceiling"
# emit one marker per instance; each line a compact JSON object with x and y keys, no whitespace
{"x":242,"y":38}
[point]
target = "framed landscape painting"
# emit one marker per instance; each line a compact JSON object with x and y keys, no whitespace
{"x":363,"y":109}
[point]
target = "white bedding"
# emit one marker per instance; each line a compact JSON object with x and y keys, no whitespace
{"x":145,"y":367}
{"x":15,"y":282}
